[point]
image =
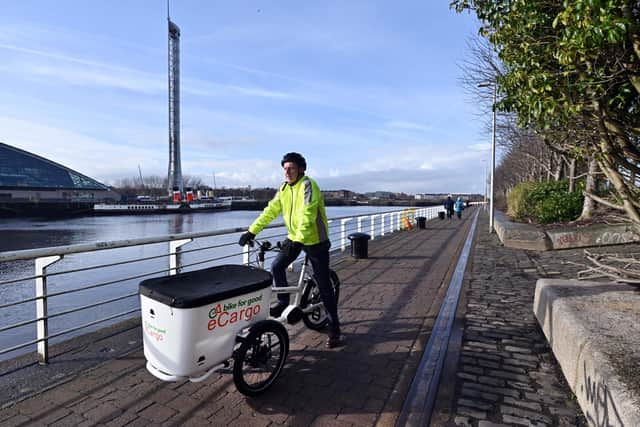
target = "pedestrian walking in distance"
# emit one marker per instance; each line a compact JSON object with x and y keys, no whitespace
{"x":448,"y":206}
{"x":458,"y":206}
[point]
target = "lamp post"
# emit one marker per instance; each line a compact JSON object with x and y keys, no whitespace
{"x":493,"y":148}
{"x":484,"y":182}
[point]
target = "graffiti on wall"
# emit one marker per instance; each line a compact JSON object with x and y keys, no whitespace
{"x":601,"y":409}
{"x":582,"y":238}
{"x":615,"y":237}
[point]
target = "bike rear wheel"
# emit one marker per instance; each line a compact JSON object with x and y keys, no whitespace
{"x":317,"y":319}
{"x":260,"y":358}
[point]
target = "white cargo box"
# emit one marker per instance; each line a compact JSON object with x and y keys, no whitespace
{"x":190,"y":320}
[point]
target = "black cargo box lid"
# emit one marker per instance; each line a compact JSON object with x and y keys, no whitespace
{"x":197,"y":288}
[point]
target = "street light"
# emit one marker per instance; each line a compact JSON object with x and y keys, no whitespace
{"x":484,"y":183}
{"x":493,"y":148}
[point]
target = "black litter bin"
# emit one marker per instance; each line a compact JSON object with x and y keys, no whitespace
{"x":359,"y":245}
{"x":422,"y":222}
{"x":441,"y":214}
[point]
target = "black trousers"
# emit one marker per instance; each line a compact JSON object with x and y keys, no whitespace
{"x":319,"y":258}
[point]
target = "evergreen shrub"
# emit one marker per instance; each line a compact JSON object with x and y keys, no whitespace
{"x":545,"y":202}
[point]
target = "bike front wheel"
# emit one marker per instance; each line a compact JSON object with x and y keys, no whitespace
{"x":260,"y":358}
{"x":317,"y":319}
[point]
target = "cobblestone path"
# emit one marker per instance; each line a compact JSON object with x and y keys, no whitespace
{"x":507,"y":374}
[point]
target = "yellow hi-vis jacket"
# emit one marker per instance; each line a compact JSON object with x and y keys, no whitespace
{"x":302,"y":208}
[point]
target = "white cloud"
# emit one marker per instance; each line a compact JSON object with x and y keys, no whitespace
{"x":79,"y":71}
{"x":407,"y":126}
{"x":96,"y":77}
{"x":99,"y":159}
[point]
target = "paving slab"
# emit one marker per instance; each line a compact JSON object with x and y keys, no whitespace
{"x":388,"y":303}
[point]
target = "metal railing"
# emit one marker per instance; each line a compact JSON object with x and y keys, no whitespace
{"x":83,"y":274}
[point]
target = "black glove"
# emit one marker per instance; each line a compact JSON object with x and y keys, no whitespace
{"x":246,"y":238}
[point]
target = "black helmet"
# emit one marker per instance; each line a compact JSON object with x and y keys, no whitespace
{"x":295,"y":158}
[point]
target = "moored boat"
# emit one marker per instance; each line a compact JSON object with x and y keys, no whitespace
{"x":160,"y":207}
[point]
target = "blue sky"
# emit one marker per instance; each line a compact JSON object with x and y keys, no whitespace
{"x":367,"y":91}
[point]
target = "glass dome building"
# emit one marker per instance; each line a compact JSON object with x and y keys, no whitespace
{"x":30,"y":184}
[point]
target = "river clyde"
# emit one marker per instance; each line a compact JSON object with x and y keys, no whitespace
{"x":30,"y":233}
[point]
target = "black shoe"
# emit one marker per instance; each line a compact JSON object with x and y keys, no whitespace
{"x":334,"y":341}
{"x":276,"y":310}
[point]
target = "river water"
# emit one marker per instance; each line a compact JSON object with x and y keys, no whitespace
{"x":19,"y":234}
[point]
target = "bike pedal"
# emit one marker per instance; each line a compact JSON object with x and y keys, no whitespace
{"x":293,"y":314}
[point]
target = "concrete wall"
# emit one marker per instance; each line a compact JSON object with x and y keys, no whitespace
{"x":528,"y":236}
{"x":592,"y":328}
{"x":595,"y":235}
{"x":520,"y":236}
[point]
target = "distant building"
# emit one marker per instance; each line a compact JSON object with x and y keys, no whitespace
{"x":339,"y":194}
{"x":30,"y":184}
{"x":379,"y":195}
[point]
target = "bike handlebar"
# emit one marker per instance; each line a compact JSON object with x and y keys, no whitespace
{"x":266,"y":245}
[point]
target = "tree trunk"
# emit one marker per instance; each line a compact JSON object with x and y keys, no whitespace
{"x":559,"y":163}
{"x":549,"y":168}
{"x":589,"y":204}
{"x":572,"y":176}
{"x":607,"y":165}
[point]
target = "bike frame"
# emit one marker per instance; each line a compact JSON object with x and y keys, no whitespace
{"x":294,"y":291}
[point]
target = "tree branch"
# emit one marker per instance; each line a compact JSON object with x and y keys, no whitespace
{"x":603,"y":201}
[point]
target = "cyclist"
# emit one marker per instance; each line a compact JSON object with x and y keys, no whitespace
{"x":302,"y":207}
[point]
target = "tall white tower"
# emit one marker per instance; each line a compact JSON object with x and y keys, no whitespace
{"x":175,"y":169}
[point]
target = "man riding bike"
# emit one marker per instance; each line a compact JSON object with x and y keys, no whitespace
{"x":302,"y":206}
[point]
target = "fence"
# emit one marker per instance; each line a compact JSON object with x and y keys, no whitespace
{"x":69,"y":279}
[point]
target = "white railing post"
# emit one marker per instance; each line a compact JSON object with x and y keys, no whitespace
{"x":245,"y":255}
{"x":42,"y":322}
{"x":343,"y":233}
{"x":174,"y":255}
{"x":382,"y":224}
{"x":360,"y":224}
{"x":373,"y":226}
